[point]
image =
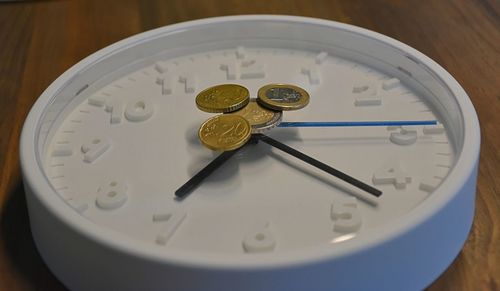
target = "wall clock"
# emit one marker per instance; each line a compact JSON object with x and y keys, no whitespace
{"x":108,"y":143}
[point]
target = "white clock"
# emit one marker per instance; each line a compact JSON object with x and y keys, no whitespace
{"x":108,"y":143}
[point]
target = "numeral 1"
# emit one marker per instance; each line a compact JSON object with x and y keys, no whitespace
{"x":95,"y":148}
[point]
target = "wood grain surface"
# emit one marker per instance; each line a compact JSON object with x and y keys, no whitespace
{"x":39,"y":40}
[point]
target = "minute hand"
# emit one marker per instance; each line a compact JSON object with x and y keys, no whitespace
{"x":353,"y":181}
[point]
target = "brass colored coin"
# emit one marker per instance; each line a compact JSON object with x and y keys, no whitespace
{"x":222,"y":98}
{"x":282,"y":97}
{"x":260,"y":118}
{"x":225,"y":132}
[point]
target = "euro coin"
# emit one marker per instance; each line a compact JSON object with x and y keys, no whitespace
{"x":260,"y":118}
{"x":222,"y":98}
{"x":282,"y":97}
{"x":225,"y":132}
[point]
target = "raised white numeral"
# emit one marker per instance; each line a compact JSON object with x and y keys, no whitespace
{"x":172,"y":220}
{"x":251,"y":70}
{"x":167,"y":78}
{"x":345,"y":215}
{"x":391,"y":173}
{"x":403,"y":136}
{"x":230,"y":70}
{"x":312,"y":74}
{"x":115,"y":105}
{"x":165,"y":81}
{"x":95,"y":148}
{"x":112,"y":194}
{"x":260,"y":240}
{"x":243,"y":67}
{"x":366,"y":95}
{"x":189,"y":83}
{"x":136,"y":110}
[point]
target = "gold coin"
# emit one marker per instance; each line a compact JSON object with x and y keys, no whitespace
{"x":260,"y":118}
{"x":282,"y":97}
{"x":222,"y":98}
{"x":225,"y":132}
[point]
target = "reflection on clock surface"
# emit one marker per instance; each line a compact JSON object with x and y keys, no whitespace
{"x":118,"y":156}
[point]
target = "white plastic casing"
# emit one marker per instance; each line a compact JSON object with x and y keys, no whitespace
{"x":407,"y":254}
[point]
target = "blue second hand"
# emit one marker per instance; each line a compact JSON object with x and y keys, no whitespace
{"x":358,"y":123}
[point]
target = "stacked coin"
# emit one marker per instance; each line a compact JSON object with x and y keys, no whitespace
{"x":230,"y":131}
{"x":223,"y":98}
{"x":260,"y":118}
{"x":282,"y":97}
{"x":225,"y":132}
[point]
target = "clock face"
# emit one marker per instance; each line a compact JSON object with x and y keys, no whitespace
{"x":118,"y":154}
{"x":109,"y":145}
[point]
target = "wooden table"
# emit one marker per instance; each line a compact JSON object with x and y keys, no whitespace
{"x":39,"y":40}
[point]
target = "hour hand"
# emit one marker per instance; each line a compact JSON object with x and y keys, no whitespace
{"x":196,"y":180}
{"x":322,"y":166}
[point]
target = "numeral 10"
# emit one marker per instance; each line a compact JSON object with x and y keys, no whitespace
{"x":136,"y":110}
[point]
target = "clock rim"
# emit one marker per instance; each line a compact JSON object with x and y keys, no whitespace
{"x":462,"y":171}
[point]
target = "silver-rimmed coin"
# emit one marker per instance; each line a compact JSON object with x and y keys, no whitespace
{"x":260,"y":118}
{"x":282,"y":97}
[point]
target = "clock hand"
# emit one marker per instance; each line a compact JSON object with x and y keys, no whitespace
{"x":358,"y":123}
{"x":318,"y":164}
{"x":196,"y":180}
